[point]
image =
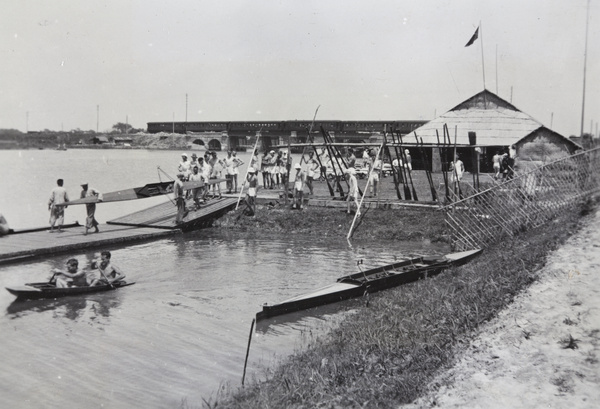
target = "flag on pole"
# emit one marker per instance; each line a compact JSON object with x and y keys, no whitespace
{"x":473,"y":37}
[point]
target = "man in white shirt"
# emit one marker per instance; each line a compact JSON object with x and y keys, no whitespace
{"x":58,"y":196}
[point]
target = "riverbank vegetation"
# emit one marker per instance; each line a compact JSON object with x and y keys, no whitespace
{"x":387,"y":353}
{"x":405,"y":224}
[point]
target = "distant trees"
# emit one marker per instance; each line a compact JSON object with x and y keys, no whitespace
{"x":120,"y":127}
{"x":11,"y":133}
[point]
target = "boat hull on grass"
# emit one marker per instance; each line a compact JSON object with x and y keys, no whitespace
{"x":34,"y":291}
{"x":369,"y":281}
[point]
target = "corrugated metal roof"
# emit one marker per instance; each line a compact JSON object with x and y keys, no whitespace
{"x":501,"y":124}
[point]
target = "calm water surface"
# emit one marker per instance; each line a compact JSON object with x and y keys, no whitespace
{"x":182,"y":330}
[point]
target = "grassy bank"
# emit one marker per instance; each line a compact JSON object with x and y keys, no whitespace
{"x":388,"y":352}
{"x":390,"y":224}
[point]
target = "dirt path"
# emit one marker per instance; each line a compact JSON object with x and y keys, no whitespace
{"x":544,"y":349}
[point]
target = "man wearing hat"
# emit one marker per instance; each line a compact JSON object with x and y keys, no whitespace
{"x":299,"y":181}
{"x":184,"y":166}
{"x":90,"y":220}
{"x":194,"y":161}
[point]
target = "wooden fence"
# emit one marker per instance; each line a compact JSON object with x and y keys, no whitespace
{"x":528,"y":200}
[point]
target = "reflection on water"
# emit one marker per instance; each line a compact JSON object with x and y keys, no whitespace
{"x":74,"y":308}
{"x":299,"y":320}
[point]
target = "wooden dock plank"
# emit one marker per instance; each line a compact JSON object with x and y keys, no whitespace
{"x":164,"y":214}
{"x":14,"y":247}
{"x":156,"y":221}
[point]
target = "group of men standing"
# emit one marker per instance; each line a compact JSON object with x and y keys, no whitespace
{"x":58,"y":202}
{"x":504,"y":164}
{"x":201,"y":170}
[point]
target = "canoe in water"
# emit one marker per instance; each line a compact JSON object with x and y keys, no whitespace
{"x":34,"y":291}
{"x":370,"y":281}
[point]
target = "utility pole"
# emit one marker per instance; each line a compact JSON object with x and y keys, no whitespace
{"x":496,"y":69}
{"x":97,"y":117}
{"x":186,"y":107}
{"x":27,"y":122}
{"x":587,"y":23}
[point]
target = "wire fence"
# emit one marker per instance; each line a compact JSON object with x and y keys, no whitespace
{"x":528,"y":200}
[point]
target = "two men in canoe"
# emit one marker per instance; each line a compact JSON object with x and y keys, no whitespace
{"x":103,"y":272}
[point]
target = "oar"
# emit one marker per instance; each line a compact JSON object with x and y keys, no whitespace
{"x":332,"y":156}
{"x":351,"y":231}
{"x":51,"y":278}
{"x":454,"y":158}
{"x":408,"y":170}
{"x":246,"y":175}
{"x":387,"y":151}
{"x":442,"y":157}
{"x":106,"y":278}
{"x":426,"y":167}
{"x":309,"y":130}
{"x":331,"y":192}
{"x":407,"y":194}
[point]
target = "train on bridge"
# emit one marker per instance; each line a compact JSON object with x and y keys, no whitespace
{"x":239,"y":134}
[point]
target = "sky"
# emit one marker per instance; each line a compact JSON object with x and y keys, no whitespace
{"x":79,"y":64}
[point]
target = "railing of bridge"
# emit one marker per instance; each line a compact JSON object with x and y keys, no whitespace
{"x":528,"y":200}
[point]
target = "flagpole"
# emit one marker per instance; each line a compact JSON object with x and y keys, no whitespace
{"x":496,"y":69}
{"x":482,"y":64}
{"x":587,"y":22}
{"x":482,"y":60}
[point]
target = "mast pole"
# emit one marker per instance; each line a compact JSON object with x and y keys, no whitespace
{"x":587,"y":23}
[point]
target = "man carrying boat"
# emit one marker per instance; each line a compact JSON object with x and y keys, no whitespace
{"x":90,"y":221}
{"x":58,"y":196}
{"x":196,"y":176}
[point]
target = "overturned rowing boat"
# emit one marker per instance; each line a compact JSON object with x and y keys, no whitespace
{"x":143,"y":192}
{"x":34,"y":291}
{"x":370,"y":281}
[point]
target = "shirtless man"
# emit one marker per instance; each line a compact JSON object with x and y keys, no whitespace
{"x":252,"y":181}
{"x":106,"y":273}
{"x":73,"y":277}
{"x":299,"y":181}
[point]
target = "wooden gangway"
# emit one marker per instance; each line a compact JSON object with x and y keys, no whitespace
{"x":162,"y":216}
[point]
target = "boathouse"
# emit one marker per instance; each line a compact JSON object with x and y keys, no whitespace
{"x":486,"y":121}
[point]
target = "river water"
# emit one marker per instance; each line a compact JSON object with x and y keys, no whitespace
{"x":181,"y":332}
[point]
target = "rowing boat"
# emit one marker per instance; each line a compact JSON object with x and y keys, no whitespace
{"x":46,"y":290}
{"x":370,"y":281}
{"x":143,"y":192}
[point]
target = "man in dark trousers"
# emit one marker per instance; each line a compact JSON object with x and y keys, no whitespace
{"x":90,"y":221}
